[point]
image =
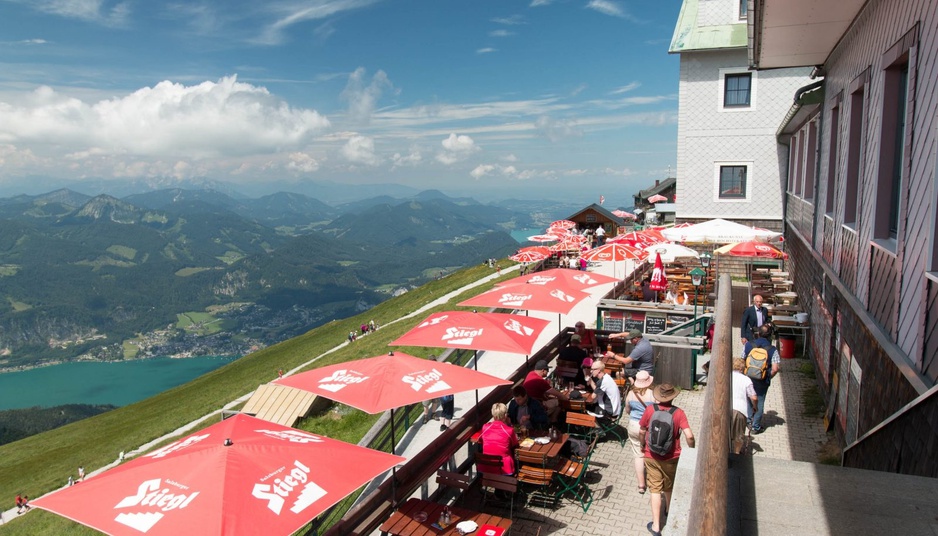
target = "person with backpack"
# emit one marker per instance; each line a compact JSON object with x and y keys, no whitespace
{"x":762,"y":364}
{"x":660,"y":431}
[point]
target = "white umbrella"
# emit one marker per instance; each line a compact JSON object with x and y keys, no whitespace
{"x":718,"y":231}
{"x":669,"y":252}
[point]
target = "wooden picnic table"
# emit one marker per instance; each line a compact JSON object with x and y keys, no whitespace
{"x":416,"y":517}
{"x":547,"y":451}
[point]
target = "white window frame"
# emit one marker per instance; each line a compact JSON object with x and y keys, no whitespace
{"x":739,"y":11}
{"x":716,"y":181}
{"x":753,"y":86}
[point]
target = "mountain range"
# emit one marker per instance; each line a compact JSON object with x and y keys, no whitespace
{"x":182,"y":272}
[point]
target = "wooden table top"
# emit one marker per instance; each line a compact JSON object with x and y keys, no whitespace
{"x":548,"y":450}
{"x":403,"y":522}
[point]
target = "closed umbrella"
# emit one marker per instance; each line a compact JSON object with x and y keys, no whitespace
{"x":659,"y":280}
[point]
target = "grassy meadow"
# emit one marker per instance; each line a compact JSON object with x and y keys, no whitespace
{"x":41,"y":463}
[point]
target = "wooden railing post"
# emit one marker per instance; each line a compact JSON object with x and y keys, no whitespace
{"x":708,"y":503}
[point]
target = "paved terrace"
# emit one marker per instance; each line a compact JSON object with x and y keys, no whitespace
{"x":779,"y":490}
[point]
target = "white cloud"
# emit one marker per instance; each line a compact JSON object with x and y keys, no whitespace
{"x":513,"y":20}
{"x":456,"y":148}
{"x":302,"y":163}
{"x":362,"y":98}
{"x":411,"y":159}
{"x":557,"y":129}
{"x":360,"y":150}
{"x":87,"y":10}
{"x":291,"y":12}
{"x":510,"y":158}
{"x":536,"y":3}
{"x":608,"y":7}
{"x":626,"y":88}
{"x":168,"y":120}
{"x":481,"y":170}
{"x":486,"y":50}
{"x":500,"y":33}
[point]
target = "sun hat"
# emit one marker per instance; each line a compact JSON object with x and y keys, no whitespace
{"x":635,"y":334}
{"x":665,"y":392}
{"x":643,"y":379}
{"x":541,"y":365}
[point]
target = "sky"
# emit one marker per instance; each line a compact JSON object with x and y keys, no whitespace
{"x":556,"y":99}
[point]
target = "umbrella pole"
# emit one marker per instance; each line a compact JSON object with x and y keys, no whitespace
{"x":475,"y":363}
{"x":393,"y":468}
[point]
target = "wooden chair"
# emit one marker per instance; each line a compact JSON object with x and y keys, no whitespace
{"x":577,"y":406}
{"x":492,"y":483}
{"x":570,"y":475}
{"x":533,"y":471}
{"x":453,"y":480}
{"x":488,"y":463}
{"x":581,"y":425}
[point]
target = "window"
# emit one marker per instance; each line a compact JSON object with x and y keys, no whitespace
{"x":732,"y":182}
{"x":736,"y":90}
{"x":810,"y":164}
{"x":855,"y":147}
{"x":832,"y":153}
{"x":898,"y":91}
{"x":743,"y":9}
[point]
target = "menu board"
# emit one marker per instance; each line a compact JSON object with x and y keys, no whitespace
{"x":620,"y":321}
{"x":677,"y":320}
{"x":655,"y":324}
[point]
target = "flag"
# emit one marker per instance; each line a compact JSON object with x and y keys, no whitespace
{"x":602,"y":199}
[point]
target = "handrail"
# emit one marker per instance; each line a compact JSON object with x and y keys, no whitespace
{"x":709,"y":499}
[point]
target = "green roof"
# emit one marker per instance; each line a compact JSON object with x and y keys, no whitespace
{"x":689,"y":37}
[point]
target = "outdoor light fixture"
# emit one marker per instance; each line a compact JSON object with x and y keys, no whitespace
{"x":705,"y":259}
{"x":696,"y":277}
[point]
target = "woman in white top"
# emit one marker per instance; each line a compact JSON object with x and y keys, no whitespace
{"x":640,"y":395}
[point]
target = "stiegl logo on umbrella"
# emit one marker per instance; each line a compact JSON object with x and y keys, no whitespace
{"x":340,"y":379}
{"x":293,"y":436}
{"x":176,"y":446}
{"x":152,"y":493}
{"x":461,"y":335}
{"x":516,"y":327}
{"x":285,"y":485}
{"x":433,"y":381}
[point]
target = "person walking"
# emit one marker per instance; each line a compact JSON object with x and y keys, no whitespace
{"x":660,"y":422}
{"x":639,"y":397}
{"x":429,"y":410}
{"x":447,"y":411}
{"x":761,"y":385}
{"x":753,"y":317}
{"x":744,"y":400}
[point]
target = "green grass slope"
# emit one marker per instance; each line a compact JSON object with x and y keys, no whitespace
{"x":43,"y":462}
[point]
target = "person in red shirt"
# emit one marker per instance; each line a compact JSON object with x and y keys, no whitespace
{"x":660,"y":470}
{"x":499,"y":439}
{"x":538,"y":388}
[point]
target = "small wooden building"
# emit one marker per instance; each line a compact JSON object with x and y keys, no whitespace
{"x":595,"y":215}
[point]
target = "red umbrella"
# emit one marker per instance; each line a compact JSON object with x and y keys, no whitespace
{"x":658,"y":280}
{"x":613,"y":252}
{"x":561,"y":278}
{"x":543,"y":238}
{"x":624,"y":214}
{"x":562,"y":224}
{"x":240,"y":476}
{"x":529,"y":297}
{"x":751,"y":249}
{"x":539,"y":249}
{"x":496,"y":332}
{"x":386,"y":382}
{"x":657,"y":198}
{"x":529,"y":256}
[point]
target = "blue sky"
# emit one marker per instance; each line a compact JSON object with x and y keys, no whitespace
{"x":548,"y":98}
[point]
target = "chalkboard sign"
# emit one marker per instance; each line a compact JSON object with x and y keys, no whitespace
{"x":612,"y":323}
{"x":634,"y":323}
{"x":677,"y":320}
{"x":655,"y":324}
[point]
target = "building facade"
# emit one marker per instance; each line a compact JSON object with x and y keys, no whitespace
{"x":861,"y":198}
{"x":728,"y":162}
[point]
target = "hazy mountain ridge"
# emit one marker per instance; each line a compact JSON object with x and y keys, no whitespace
{"x":95,"y":272}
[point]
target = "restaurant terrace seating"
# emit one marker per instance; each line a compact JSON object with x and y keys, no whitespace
{"x":570,"y":475}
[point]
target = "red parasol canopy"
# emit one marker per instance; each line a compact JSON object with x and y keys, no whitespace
{"x":562,"y":278}
{"x":613,"y":252}
{"x":624,"y":214}
{"x":268,"y":479}
{"x":751,"y":249}
{"x":496,"y":332}
{"x":543,"y":238}
{"x":562,"y":224}
{"x":529,"y":256}
{"x":386,"y":382}
{"x":658,"y":280}
{"x":657,"y":198}
{"x":529,"y":297}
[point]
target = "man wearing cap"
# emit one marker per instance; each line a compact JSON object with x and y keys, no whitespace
{"x":538,"y":388}
{"x":606,"y":395}
{"x":642,"y":356}
{"x":660,"y":470}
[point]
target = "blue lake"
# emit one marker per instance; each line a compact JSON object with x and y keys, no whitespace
{"x":119,"y":383}
{"x":521,"y":235}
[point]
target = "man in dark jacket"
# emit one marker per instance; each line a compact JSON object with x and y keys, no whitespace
{"x":754,"y":316}
{"x":526,"y":411}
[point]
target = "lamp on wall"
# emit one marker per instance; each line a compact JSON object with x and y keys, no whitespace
{"x":817,"y":72}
